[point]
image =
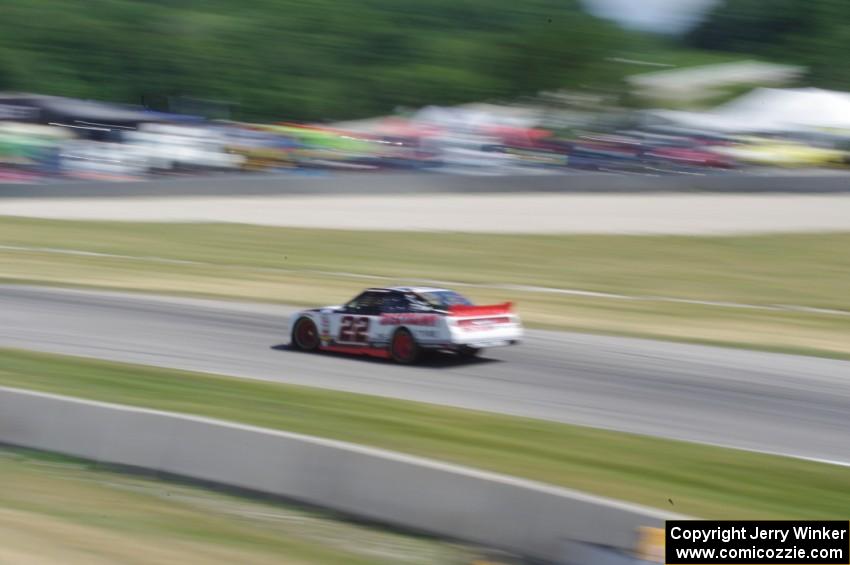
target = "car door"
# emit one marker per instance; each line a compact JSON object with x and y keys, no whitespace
{"x":394,"y":306}
{"x":405,"y":310}
{"x":355,"y":323}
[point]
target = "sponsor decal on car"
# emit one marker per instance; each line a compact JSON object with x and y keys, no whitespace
{"x":409,"y":319}
{"x":326,"y":326}
{"x":483,"y":323}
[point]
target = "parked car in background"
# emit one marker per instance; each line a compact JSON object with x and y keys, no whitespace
{"x":169,"y":148}
{"x":783,"y":153}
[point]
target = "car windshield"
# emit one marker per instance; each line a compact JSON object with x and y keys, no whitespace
{"x":443,"y":299}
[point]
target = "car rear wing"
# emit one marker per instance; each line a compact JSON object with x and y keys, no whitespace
{"x":484,"y":310}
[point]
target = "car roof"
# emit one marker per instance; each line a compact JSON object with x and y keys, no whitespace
{"x":416,"y":289}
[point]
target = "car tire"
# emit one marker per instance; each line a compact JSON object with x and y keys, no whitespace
{"x":403,"y":348}
{"x":467,"y":352}
{"x":305,"y":335}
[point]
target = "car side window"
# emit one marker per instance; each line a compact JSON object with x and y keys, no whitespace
{"x":417,"y":304}
{"x":395,"y":304}
{"x":368,"y":304}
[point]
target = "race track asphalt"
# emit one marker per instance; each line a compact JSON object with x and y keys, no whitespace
{"x":524,"y":213}
{"x":765,"y":401}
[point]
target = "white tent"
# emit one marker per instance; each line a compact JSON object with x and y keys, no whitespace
{"x":771,"y":110}
{"x":706,"y":81}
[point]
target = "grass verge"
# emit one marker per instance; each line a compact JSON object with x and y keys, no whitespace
{"x":702,"y":481}
{"x":62,"y":511}
{"x":301,"y":266}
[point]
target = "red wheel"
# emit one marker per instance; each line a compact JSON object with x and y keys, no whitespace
{"x":305,"y":336}
{"x":404,"y":348}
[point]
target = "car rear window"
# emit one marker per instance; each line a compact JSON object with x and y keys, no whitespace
{"x":443,"y":299}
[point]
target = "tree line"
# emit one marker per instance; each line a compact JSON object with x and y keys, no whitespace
{"x":332,"y":60}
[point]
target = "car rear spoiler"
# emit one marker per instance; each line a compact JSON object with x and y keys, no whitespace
{"x":485,"y":310}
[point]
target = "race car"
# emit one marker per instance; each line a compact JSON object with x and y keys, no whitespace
{"x":401,"y":323}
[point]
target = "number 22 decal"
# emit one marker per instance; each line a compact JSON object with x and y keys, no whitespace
{"x":354,"y":329}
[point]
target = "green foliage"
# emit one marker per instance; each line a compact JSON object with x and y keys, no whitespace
{"x":286,"y":59}
{"x":813,"y":33}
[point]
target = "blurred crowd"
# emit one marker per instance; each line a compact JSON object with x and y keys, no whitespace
{"x":48,"y":138}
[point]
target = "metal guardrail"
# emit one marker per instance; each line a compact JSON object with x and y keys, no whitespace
{"x":424,"y":183}
{"x":524,"y":517}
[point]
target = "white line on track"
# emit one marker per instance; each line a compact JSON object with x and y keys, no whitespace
{"x":498,"y":286}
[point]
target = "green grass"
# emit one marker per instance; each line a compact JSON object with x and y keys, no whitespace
{"x":701,"y":480}
{"x":809,"y":269}
{"x":58,"y":510}
{"x":280,"y":264}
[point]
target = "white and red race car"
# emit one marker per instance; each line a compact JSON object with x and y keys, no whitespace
{"x":399,"y":323}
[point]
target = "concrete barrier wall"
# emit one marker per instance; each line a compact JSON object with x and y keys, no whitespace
{"x":410,"y":183}
{"x":484,"y":508}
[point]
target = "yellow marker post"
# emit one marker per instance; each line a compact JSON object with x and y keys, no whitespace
{"x":650,"y":545}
